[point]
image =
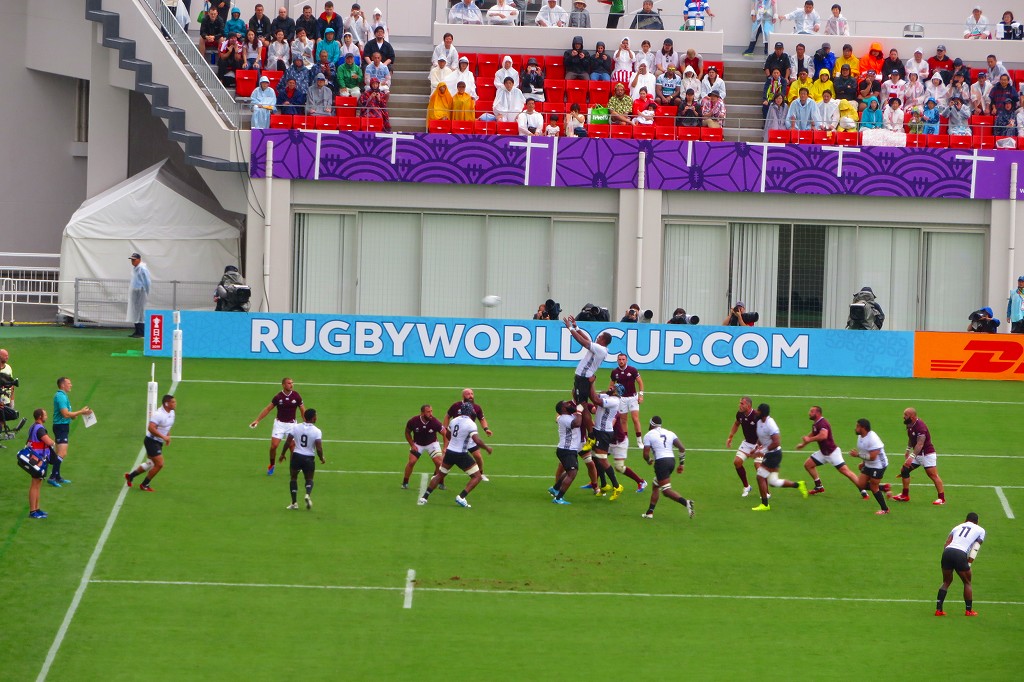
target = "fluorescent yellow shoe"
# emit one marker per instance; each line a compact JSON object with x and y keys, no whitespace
{"x":607,"y":488}
{"x":802,"y":487}
{"x":761,"y":507}
{"x":589,"y":445}
{"x":616,"y":492}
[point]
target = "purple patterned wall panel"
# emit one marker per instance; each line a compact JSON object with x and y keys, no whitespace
{"x":671,"y":165}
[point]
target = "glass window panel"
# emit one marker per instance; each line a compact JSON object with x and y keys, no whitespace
{"x":695,"y":272}
{"x":389,"y":264}
{"x":571,"y":285}
{"x":449,"y":240}
{"x":517,"y":264}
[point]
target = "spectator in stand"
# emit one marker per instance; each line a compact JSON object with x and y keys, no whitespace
{"x":532,"y":82}
{"x":235,"y":25}
{"x":615,"y":12}
{"x":915,"y":124}
{"x":330,"y":45}
{"x":1009,"y":28}
{"x":848,"y":116}
{"x":665,"y":57}
{"x":279,"y":53}
{"x":230,"y":58}
{"x":937,"y":90}
{"x":439,"y":107}
{"x":848,"y":59}
{"x":624,"y":59}
{"x":825,"y":58}
{"x":350,"y":77}
{"x":918,"y":65}
{"x":222,"y":7}
{"x":554,"y":127}
{"x":642,"y":99}
{"x":873,"y":60}
{"x":977,"y":27}
{"x":712,"y":110}
{"x":378,"y":20}
{"x":502,"y":13}
{"x":803,"y":80}
{"x":871,"y":117}
{"x":308,"y":23}
{"x":530,"y":121}
{"x":894,"y":86}
{"x":764,"y":14}
{"x":446,"y":48}
{"x":930,"y":117}
{"x":463,"y":106}
{"x":304,"y":47}
{"x":579,"y":17}
{"x":620,"y":106}
{"x":690,"y":82}
{"x":959,"y":116}
{"x":645,"y":55}
{"x":283,"y":22}
{"x":464,"y":76}
{"x":373,"y":103}
{"x":995,"y":69}
{"x":845,"y":85}
{"x":439,"y":74}
{"x":960,"y":68}
{"x":889,"y":132}
{"x":801,"y":60}
{"x":576,"y":61}
{"x":803,"y":112}
{"x":942,"y":63}
{"x":506,"y":71}
{"x":356,"y":24}
{"x":806,"y":20}
{"x":552,"y":16}
{"x":264,"y":103}
{"x":869,"y":87}
{"x":981,"y":104}
{"x":688,"y":113}
{"x":959,"y":88}
{"x":601,"y":64}
{"x":822,"y":85}
{"x":253,"y":51}
{"x":894,"y":63}
{"x":913,"y":93}
{"x":774,"y":84}
{"x":778,"y":60}
{"x":775,"y":115}
{"x":380,"y":46}
{"x":297,"y":72}
{"x":646,"y":19}
{"x":712,"y":83}
{"x":575,"y":122}
{"x":837,"y":25}
{"x":1005,"y":124}
{"x":290,"y":100}
{"x":326,"y":68}
{"x":647,"y":115}
{"x":376,"y":70}
{"x":509,"y":101}
{"x":210,"y":31}
{"x":1000,"y":93}
{"x":259,"y":23}
{"x":642,"y":79}
{"x":892,"y":117}
{"x":667,"y":92}
{"x":694,"y":13}
{"x":349,"y":47}
{"x":694,"y":59}
{"x":320,"y":98}
{"x":465,"y":12}
{"x":828,"y":112}
{"x":1015,"y":307}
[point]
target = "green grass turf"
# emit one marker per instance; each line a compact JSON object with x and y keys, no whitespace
{"x":480,"y":610}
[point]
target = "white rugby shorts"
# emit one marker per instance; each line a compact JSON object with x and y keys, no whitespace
{"x":745,"y":450}
{"x":432,"y":450}
{"x":835,"y":458}
{"x":926,"y":460}
{"x":282,"y":430}
{"x":618,"y":450}
{"x":629,"y":404}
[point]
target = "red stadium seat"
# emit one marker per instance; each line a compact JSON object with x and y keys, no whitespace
{"x":487,"y":66}
{"x":644,"y":132}
{"x":600,"y":91}
{"x":803,"y":136}
{"x":917,"y":141}
{"x":485,"y":127}
{"x":849,"y":139}
{"x":554,"y":90}
{"x":484,"y":107}
{"x":576,"y":92}
{"x":245,"y":82}
{"x":280,"y":121}
{"x":825,"y":137}
{"x":621,"y":132}
{"x":485,"y":90}
{"x":348,"y":123}
{"x":303,"y":122}
{"x":982,"y":125}
{"x":974,"y":74}
{"x":554,"y":67}
{"x":691,"y":134}
{"x":326,"y":123}
{"x":444,"y":126}
{"x":598,"y":130}
{"x":938,"y":141}
{"x":274,"y":76}
{"x":665,"y":132}
{"x":371,"y":125}
{"x":517,"y":62}
{"x":463,"y":127}
{"x":712,"y":134}
{"x":780,"y":135}
{"x":345,"y":103}
{"x":961,"y":141}
{"x":508,"y":128}
{"x":983,"y":142}
{"x":472,"y":62}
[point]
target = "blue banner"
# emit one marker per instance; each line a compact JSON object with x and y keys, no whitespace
{"x":358,"y":338}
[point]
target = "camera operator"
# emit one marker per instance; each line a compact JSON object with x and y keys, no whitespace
{"x":548,"y":310}
{"x":542,"y":313}
{"x":865,"y":311}
{"x":679,"y":316}
{"x":739,"y":317}
{"x":7,"y":385}
{"x":632,"y":315}
{"x":232,"y":294}
{"x":982,"y":322}
{"x":593,"y":313}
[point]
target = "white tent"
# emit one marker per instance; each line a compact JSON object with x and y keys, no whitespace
{"x":182,"y":235}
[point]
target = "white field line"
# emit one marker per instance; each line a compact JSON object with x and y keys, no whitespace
{"x":410,"y":582}
{"x":387,"y":387}
{"x":1006,"y":502}
{"x":69,"y":615}
{"x":531,"y":445}
{"x":536,"y":593}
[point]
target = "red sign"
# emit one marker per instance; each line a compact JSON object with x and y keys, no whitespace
{"x":156,"y":332}
{"x":968,"y":356}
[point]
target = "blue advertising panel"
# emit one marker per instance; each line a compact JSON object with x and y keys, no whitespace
{"x":357,"y":338}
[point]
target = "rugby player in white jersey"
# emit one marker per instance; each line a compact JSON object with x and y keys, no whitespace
{"x":768,"y":455}
{"x":871,"y":449}
{"x":158,"y":435}
{"x":304,"y":441}
{"x":747,"y":419}
{"x":660,"y":442}
{"x":604,"y":421}
{"x":463,"y":440}
{"x":961,"y":548}
{"x":569,"y":418}
{"x":586,"y":370}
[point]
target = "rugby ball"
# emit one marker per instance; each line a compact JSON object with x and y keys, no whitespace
{"x":491,"y":300}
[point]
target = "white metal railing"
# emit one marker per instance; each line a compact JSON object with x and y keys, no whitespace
{"x":201,"y":69}
{"x":21,"y":285}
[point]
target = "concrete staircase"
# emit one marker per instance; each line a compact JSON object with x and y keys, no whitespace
{"x":410,"y":90}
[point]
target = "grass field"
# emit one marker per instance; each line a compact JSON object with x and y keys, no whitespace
{"x":212,"y":579}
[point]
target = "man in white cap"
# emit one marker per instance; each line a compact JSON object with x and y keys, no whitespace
{"x":977,"y":27}
{"x":264,"y":103}
{"x":320,"y":98}
{"x":502,"y":13}
{"x":552,"y":15}
{"x":918,"y":65}
{"x":138,"y":294}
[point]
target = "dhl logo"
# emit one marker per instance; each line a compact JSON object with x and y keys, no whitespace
{"x":966,"y":356}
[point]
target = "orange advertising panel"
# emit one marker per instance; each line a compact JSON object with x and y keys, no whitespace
{"x":961,"y":355}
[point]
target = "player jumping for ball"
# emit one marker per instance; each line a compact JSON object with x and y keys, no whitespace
{"x":287,"y":402}
{"x":586,"y":370}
